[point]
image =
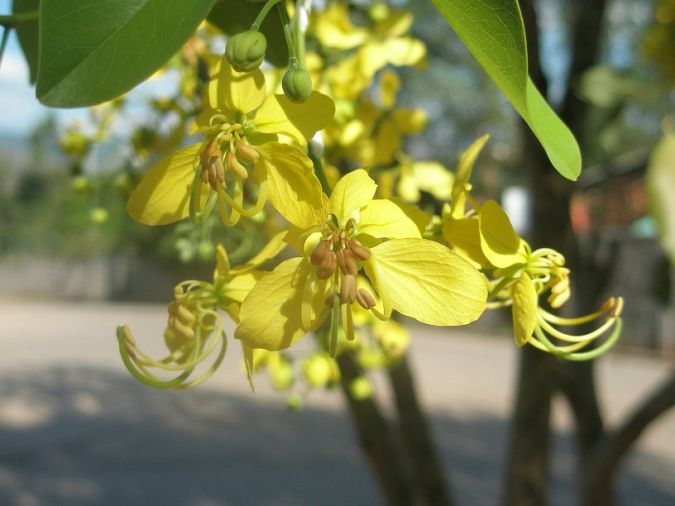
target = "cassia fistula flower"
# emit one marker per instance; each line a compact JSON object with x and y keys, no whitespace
{"x":350,"y":233}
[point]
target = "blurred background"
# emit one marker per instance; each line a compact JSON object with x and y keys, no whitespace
{"x":75,"y":428}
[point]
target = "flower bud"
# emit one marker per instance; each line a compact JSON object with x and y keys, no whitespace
{"x":246,"y":50}
{"x":297,"y":84}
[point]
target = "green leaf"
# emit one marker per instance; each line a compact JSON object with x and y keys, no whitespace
{"x":93,"y":51}
{"x":660,"y":185}
{"x":27,"y":34}
{"x":235,"y":16}
{"x":493,"y":31}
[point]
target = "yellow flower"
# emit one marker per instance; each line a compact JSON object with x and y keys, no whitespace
{"x":518,"y":275}
{"x":371,"y":134}
{"x":521,"y":275}
{"x":385,"y":43}
{"x":352,"y":231}
{"x":427,"y":176}
{"x":193,"y":329}
{"x":241,"y":127}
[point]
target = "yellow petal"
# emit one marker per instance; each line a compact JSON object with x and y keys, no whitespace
{"x":278,"y":115}
{"x":390,"y":84}
{"x":163,"y":195}
{"x":382,"y":218}
{"x":464,"y":236}
{"x":270,"y":250}
{"x":426,"y":281}
{"x":418,"y":216}
{"x":410,"y":121}
{"x":463,"y":175}
{"x":270,"y":316}
{"x":351,"y":192}
{"x":524,"y":309}
{"x":395,"y":24}
{"x":249,"y":363}
{"x":434,"y":178}
{"x":230,"y":90}
{"x":222,"y":263}
{"x":239,"y":286}
{"x":294,"y":190}
{"x":498,"y":240}
{"x":407,"y":187}
{"x":334,"y":28}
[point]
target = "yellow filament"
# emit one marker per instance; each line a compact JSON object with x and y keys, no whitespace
{"x":306,"y":307}
{"x":252,"y":211}
{"x":348,"y":322}
{"x":559,"y":320}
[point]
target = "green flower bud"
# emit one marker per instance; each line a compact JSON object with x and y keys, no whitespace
{"x":360,"y":389}
{"x":246,"y":50}
{"x":98,"y":215}
{"x":297,"y":84}
{"x":294,"y":402}
{"x":319,"y":370}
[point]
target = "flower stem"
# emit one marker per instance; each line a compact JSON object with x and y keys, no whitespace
{"x":262,"y":14}
{"x":11,"y":20}
{"x":283,"y":15}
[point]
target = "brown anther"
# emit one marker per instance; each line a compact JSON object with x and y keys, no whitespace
{"x":215,"y":173}
{"x":347,"y":263}
{"x":235,"y":166}
{"x":348,"y":289}
{"x":364,"y":298}
{"x":246,"y":151}
{"x":359,"y":251}
{"x":210,"y":158}
{"x":327,"y":266}
{"x":320,"y":252}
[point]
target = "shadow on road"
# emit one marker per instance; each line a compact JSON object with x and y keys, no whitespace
{"x":91,"y":437}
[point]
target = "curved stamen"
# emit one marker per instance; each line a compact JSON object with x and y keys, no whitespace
{"x":138,"y":363}
{"x":608,"y":306}
{"x":334,"y":317}
{"x":582,"y":356}
{"x":575,"y":339}
{"x":198,"y":216}
{"x":251,"y":211}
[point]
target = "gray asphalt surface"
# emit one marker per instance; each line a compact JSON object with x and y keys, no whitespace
{"x":76,"y":429}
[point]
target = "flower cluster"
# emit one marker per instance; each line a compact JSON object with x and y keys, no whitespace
{"x":344,"y":197}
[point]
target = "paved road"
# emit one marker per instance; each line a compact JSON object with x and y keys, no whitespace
{"x":75,"y":429}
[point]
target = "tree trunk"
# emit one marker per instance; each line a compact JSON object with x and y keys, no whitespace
{"x":387,"y":460}
{"x":415,"y":432}
{"x":539,"y":375}
{"x":599,"y":475}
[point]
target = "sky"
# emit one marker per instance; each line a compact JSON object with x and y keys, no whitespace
{"x":20,"y":111}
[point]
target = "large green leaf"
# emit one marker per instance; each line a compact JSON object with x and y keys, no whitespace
{"x":235,"y":16}
{"x":92,"y":51}
{"x":493,"y":31}
{"x":28,"y":34}
{"x":661,"y":191}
